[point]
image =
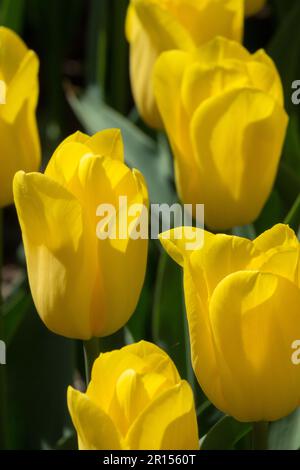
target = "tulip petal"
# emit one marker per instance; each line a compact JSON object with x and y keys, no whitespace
{"x":105,"y":143}
{"x":226,"y":153}
{"x":168,"y":423}
{"x":63,"y":165}
{"x":60,"y":262}
{"x":220,"y":256}
{"x":221,"y":49}
{"x":265,"y":76}
{"x":255,"y":319}
{"x":95,"y":429}
{"x":201,"y":340}
{"x":284,"y":262}
{"x":280,"y":235}
{"x":167,"y":89}
{"x":20,"y":150}
{"x":23,"y":86}
{"x":181,"y":241}
{"x":143,"y":357}
{"x":203,"y":270}
{"x":202,"y":82}
{"x":209,"y":18}
{"x":163,"y":29}
{"x":13,"y":51}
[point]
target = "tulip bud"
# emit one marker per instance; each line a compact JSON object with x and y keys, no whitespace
{"x":243,"y":302}
{"x":154,"y":26}
{"x":82,"y":286}
{"x":224,"y":115}
{"x":20,"y":146}
{"x":144,"y":404}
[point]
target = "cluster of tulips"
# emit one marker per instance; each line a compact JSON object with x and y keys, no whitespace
{"x":223,"y":111}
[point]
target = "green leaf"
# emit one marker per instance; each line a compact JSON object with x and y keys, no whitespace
{"x":140,"y":323}
{"x":283,"y":7}
{"x":141,"y":152}
{"x":12,"y":14}
{"x":247,"y":231}
{"x":285,"y":433}
{"x":40,"y":366}
{"x":225,"y":434}
{"x":272,"y":214}
{"x":293,"y":218}
{"x":14,"y":311}
{"x":208,"y":416}
{"x":68,"y":441}
{"x":168,"y":315}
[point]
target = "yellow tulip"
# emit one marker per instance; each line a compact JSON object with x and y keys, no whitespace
{"x":82,"y":286}
{"x":224,"y":114}
{"x":154,"y":26}
{"x":243,"y":304}
{"x":20,"y":146}
{"x":254,"y":6}
{"x":135,"y":401}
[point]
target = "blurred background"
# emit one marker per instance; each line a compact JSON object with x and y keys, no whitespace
{"x":84,"y":84}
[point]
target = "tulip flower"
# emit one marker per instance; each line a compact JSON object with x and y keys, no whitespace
{"x":82,"y":286}
{"x":135,"y":401}
{"x":20,"y":146}
{"x":155,"y":26}
{"x":243,"y":303}
{"x":224,"y":114}
{"x":254,"y":6}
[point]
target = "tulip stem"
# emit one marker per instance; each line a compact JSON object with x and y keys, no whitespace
{"x":91,"y":352}
{"x":260,"y":436}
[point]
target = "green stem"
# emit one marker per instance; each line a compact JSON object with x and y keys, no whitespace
{"x":260,"y":436}
{"x":91,"y":352}
{"x":3,"y":409}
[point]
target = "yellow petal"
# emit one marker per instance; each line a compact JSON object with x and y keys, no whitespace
{"x":163,"y":29}
{"x":202,"y":82}
{"x":13,"y":51}
{"x":155,"y":360}
{"x":167,"y":78}
{"x":225,"y":152}
{"x":131,"y":23}
{"x":63,"y":165}
{"x":143,"y":55}
{"x":265,"y":76}
{"x":61,"y":266}
{"x":20,"y":150}
{"x":201,"y":340}
{"x":130,"y":399}
{"x":205,"y":268}
{"x":161,"y":425}
{"x":260,"y":311}
{"x":284,"y":262}
{"x":221,"y":49}
{"x":182,"y":241}
{"x":209,"y":18}
{"x":220,"y":256}
{"x":121,"y":261}
{"x":142,"y":357}
{"x":107,"y":143}
{"x":278,"y":236}
{"x":95,"y":428}
{"x":22,"y":86}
